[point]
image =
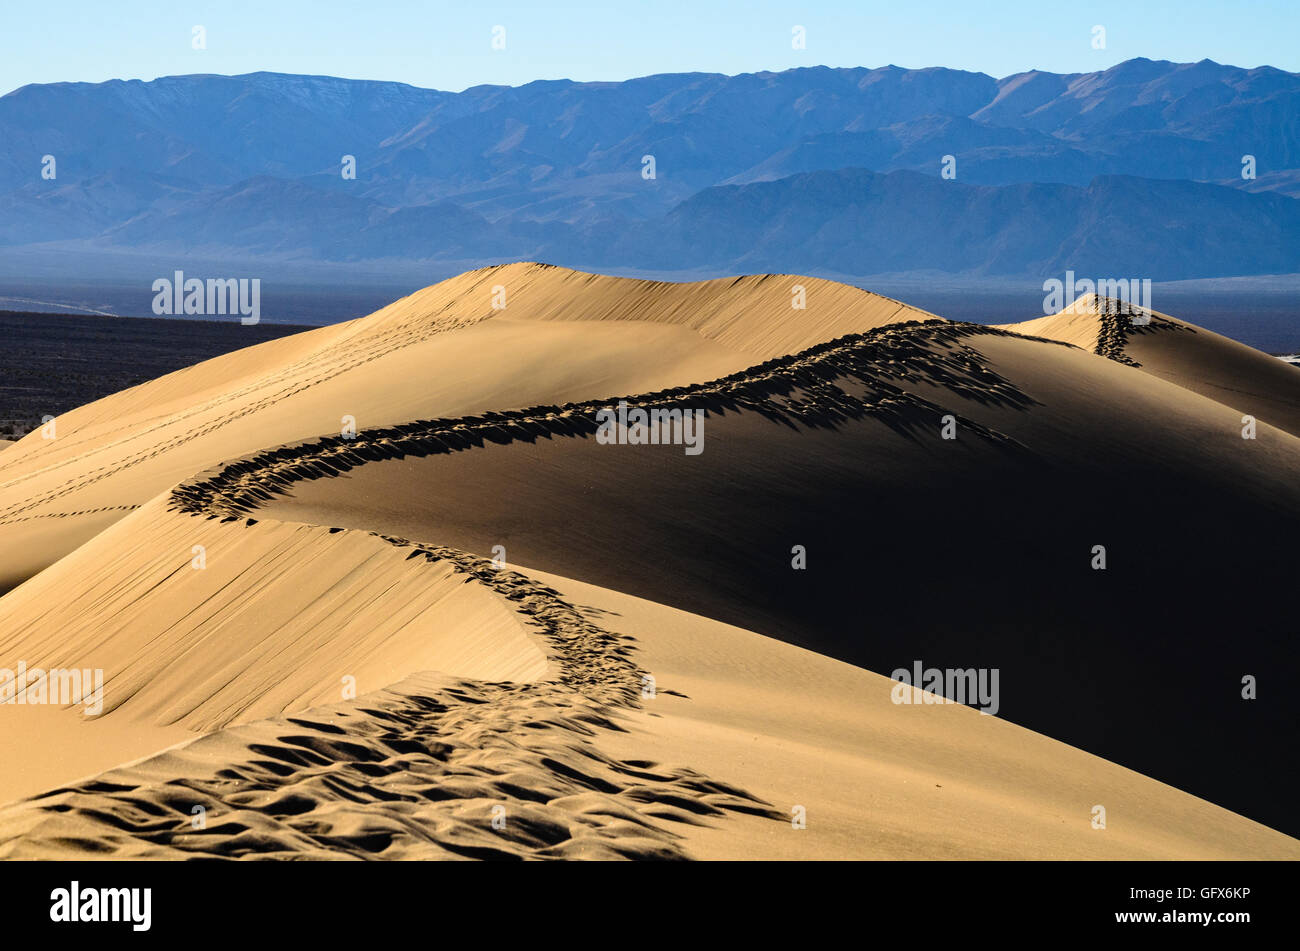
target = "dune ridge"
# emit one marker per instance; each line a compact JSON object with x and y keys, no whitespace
{"x":1090,"y":450}
{"x":1192,"y":357}
{"x":872,"y":359}
{"x":181,"y":647}
{"x":486,"y":687}
{"x":561,"y":335}
{"x":416,"y":769}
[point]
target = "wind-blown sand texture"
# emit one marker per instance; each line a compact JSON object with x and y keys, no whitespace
{"x":610,"y":692}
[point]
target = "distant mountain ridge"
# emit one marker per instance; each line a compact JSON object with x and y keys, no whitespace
{"x":807,"y":166}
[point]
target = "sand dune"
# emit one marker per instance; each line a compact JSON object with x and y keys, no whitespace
{"x":1193,"y":357}
{"x":416,"y":771}
{"x":273,"y":621}
{"x":528,"y":689}
{"x":962,"y":549}
{"x":562,"y":336}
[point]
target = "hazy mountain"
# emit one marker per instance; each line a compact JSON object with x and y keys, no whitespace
{"x":855,"y":221}
{"x":251,"y":164}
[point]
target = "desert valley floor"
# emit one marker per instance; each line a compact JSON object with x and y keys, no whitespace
{"x":309,"y":650}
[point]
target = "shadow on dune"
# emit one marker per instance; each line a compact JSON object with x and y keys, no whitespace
{"x":972,"y":553}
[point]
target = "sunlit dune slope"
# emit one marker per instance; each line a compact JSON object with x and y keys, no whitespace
{"x":497,"y":338}
{"x":419,"y":769}
{"x":1193,"y":357}
{"x":198,"y":624}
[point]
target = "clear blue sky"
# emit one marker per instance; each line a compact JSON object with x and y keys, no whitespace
{"x":448,"y":45}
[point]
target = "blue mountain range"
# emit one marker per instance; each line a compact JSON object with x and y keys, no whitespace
{"x":1136,"y":171}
